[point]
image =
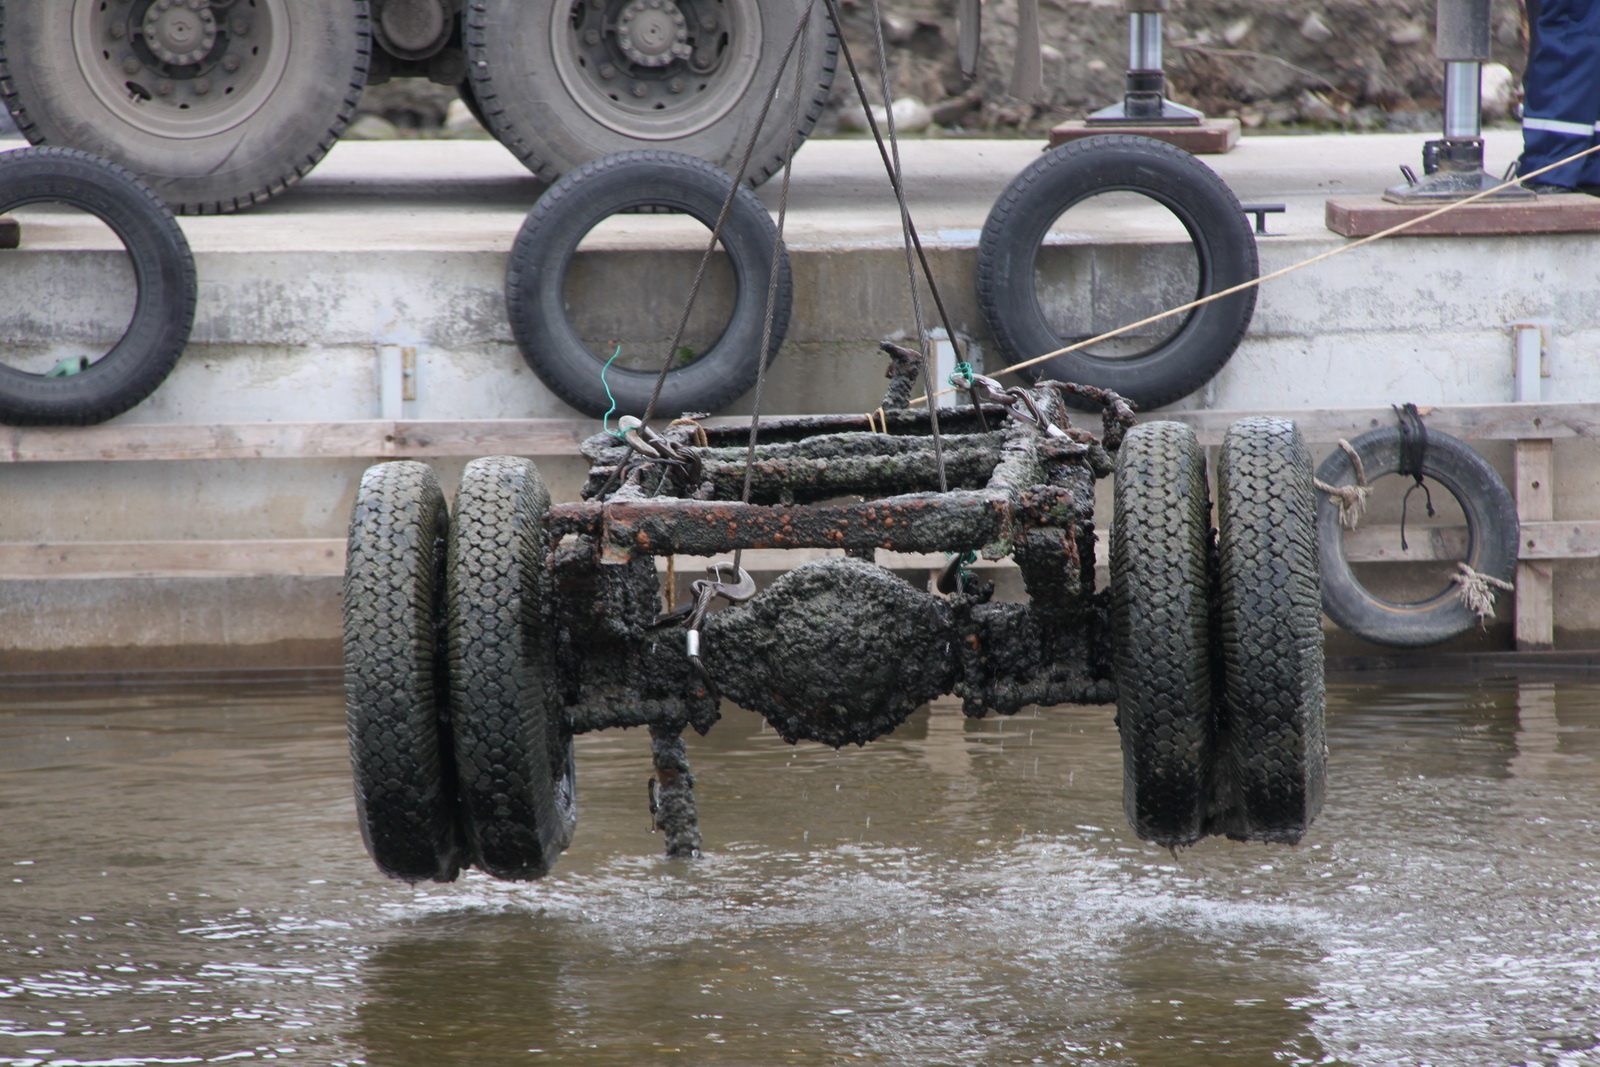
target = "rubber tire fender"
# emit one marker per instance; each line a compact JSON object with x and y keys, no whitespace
{"x":1161,"y":631}
{"x":396,"y":694}
{"x":1223,"y":242}
{"x":511,"y":59}
{"x":543,"y":251}
{"x":163,"y":269}
{"x":1271,"y":735}
{"x":290,"y":128}
{"x":512,"y":747}
{"x":1492,"y":539}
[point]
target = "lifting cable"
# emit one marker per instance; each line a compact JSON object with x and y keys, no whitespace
{"x":1252,"y":283}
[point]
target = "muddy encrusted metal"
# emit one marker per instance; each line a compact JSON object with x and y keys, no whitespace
{"x":837,"y":651}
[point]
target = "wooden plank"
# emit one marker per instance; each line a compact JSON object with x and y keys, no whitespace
{"x":1475,"y":422}
{"x":384,"y":439}
{"x":310,"y":557}
{"x":369,"y":439}
{"x":1534,"y":490}
{"x":1365,"y":216}
{"x":1212,"y":137}
{"x":1544,"y":540}
{"x":313,"y":557}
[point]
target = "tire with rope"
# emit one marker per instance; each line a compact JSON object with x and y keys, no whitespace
{"x":543,"y":252}
{"x":396,"y":693}
{"x":83,"y":391}
{"x":513,"y":748}
{"x":1271,"y":744}
{"x":1492,"y":536}
{"x":1224,"y":246}
{"x":1161,"y":631}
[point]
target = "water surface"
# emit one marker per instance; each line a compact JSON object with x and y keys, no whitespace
{"x":181,"y":881}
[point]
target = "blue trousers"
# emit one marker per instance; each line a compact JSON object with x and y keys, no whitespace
{"x":1561,"y":104}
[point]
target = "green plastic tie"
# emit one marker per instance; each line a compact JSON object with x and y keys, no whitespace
{"x":963,"y":370}
{"x":68,"y":367}
{"x":605,"y":420}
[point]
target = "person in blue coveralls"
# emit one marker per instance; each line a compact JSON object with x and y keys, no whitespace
{"x":1561,"y":95}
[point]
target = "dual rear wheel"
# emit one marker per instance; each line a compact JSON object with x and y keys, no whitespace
{"x":1218,"y":637}
{"x":458,"y":742}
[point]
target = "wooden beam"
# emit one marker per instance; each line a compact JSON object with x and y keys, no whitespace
{"x":1534,"y":490}
{"x":396,"y":439}
{"x":172,"y":559}
{"x":1541,"y":540}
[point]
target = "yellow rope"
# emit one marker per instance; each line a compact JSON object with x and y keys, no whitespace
{"x":1252,"y":283}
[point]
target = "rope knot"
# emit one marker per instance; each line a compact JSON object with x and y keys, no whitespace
{"x":1351,"y":499}
{"x":1476,"y":591}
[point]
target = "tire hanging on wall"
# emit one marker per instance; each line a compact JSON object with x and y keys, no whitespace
{"x":1492,"y":536}
{"x":543,"y":251}
{"x":1161,"y":632}
{"x":1271,"y":740}
{"x":396,"y":693}
{"x":512,"y":747}
{"x":163,"y":269}
{"x":1224,"y":246}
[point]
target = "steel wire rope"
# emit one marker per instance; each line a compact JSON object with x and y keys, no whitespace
{"x":716,"y":230}
{"x":1281,"y":272}
{"x":772,"y":280}
{"x":907,"y":226}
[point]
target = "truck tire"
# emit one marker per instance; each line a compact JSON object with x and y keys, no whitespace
{"x":1225,"y":251}
{"x":394,"y":674}
{"x":512,"y":745}
{"x":543,"y":251}
{"x":1270,"y":722}
{"x":163,"y":268}
{"x":1492,"y":537}
{"x":1161,"y":631}
{"x":214,"y":113}
{"x":561,"y":83}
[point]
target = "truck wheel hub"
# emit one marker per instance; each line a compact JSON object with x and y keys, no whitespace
{"x":653,"y":33}
{"x":180,"y":32}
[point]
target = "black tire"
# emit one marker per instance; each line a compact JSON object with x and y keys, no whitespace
{"x":540,"y":82}
{"x":255,"y":130}
{"x":513,"y":749}
{"x":162,"y":267}
{"x":1492,"y":536}
{"x":543,"y":251}
{"x":1224,"y":245}
{"x":1161,"y":631}
{"x":1271,"y":737}
{"x":396,"y":692}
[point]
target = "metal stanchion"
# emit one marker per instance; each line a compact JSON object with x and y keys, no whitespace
{"x":1145,"y":102}
{"x":1452,"y":166}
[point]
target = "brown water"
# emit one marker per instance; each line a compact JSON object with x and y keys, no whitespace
{"x":181,"y":881}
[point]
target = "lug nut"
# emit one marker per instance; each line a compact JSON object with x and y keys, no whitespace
{"x":708,"y":22}
{"x":230,"y":63}
{"x":163,"y":88}
{"x":241,"y":27}
{"x":118,"y":31}
{"x":676,"y":85}
{"x":638,"y":90}
{"x":131,"y":66}
{"x":202,"y":86}
{"x":608,"y":71}
{"x":591,"y":36}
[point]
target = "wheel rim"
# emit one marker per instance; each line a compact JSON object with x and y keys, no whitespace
{"x":181,"y":68}
{"x":656,"y":70}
